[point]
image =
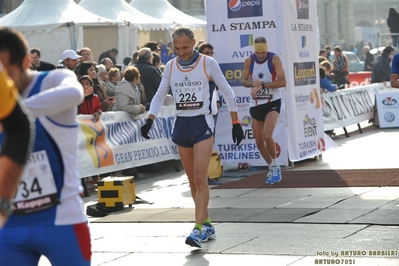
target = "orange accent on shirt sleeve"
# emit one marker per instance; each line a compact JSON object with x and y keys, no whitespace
{"x":8,"y":95}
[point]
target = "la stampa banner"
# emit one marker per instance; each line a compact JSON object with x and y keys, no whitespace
{"x":232,"y":28}
{"x":233,"y":25}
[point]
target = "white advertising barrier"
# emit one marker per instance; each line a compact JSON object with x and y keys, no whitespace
{"x":351,"y":106}
{"x":388,"y":109}
{"x":115,"y":142}
{"x":232,"y":29}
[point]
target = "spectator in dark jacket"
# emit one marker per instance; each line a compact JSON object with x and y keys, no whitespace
{"x":393,"y":24}
{"x":111,"y":54}
{"x":36,"y":63}
{"x":150,"y":77}
{"x":381,"y":69}
{"x":369,"y":58}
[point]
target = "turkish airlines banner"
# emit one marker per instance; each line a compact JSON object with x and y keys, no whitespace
{"x":232,"y":27}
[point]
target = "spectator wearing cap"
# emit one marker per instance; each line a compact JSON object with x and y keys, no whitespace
{"x":111,"y":54}
{"x":70,"y":59}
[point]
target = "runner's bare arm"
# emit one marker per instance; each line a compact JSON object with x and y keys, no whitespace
{"x":394,"y":80}
{"x":278,"y":67}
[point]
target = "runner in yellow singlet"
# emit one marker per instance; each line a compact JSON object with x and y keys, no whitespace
{"x":15,"y":143}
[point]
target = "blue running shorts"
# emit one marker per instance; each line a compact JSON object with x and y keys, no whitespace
{"x":188,"y":131}
{"x":62,"y":245}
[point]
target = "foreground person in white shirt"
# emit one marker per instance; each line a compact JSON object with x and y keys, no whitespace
{"x":48,"y":217}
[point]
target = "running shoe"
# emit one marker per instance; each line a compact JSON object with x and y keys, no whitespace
{"x":194,"y":239}
{"x":274,"y":176}
{"x":269,"y":177}
{"x":208,"y":233}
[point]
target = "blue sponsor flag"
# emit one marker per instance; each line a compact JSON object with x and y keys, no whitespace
{"x":303,"y":41}
{"x":246,"y":40}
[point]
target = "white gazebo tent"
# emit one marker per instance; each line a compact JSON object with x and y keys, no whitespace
{"x":53,"y":25}
{"x":133,"y":22}
{"x":163,"y":10}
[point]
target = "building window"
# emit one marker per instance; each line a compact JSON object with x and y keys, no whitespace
{"x":3,"y":7}
{"x":326,"y":15}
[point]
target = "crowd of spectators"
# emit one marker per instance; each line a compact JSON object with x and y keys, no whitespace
{"x":108,"y":86}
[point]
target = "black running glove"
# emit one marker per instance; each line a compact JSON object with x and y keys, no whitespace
{"x":145,"y":128}
{"x":238,"y":134}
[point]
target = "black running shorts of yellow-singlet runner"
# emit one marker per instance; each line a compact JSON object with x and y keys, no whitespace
{"x":259,"y":112}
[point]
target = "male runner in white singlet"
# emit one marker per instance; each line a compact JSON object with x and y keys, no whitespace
{"x":264,"y":74}
{"x":188,"y":76}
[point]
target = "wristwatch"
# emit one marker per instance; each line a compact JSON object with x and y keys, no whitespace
{"x":5,"y":206}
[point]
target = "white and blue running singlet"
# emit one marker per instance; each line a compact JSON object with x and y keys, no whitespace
{"x":264,"y":72}
{"x":48,"y":216}
{"x":49,"y":192}
{"x":191,"y":90}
